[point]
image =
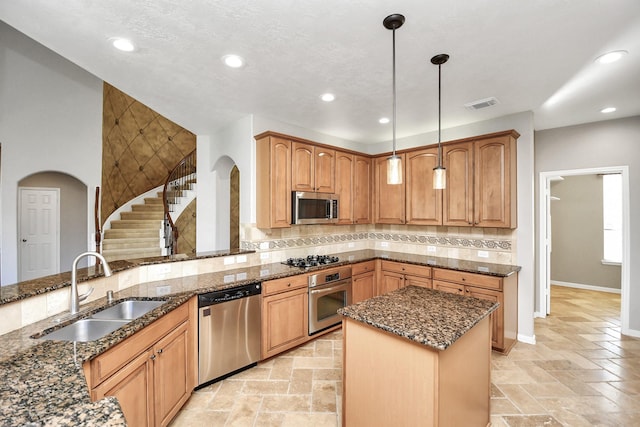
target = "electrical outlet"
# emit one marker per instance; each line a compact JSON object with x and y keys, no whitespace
{"x":351,"y":245}
{"x":264,"y":272}
{"x":431,"y":248}
{"x":483,"y":254}
{"x":241,"y":258}
{"x":265,"y":255}
{"x":264,"y":245}
{"x":163,"y":290}
{"x":228,"y":278}
{"x":384,"y":244}
{"x":163,"y":268}
{"x":229,"y":260}
{"x":241,"y":276}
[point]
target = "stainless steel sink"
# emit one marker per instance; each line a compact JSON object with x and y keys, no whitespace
{"x":127,"y":310}
{"x":85,"y":330}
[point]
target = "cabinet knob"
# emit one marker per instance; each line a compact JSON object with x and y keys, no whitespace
{"x":153,"y":357}
{"x":288,"y":285}
{"x":460,"y":290}
{"x":160,"y":351}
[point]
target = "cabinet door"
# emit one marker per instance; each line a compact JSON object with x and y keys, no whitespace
{"x":362,"y":190}
{"x":324,"y":168}
{"x":457,"y":197}
{"x":424,"y":204}
{"x":285,"y":321}
{"x":497,"y":317}
{"x":344,"y":186}
{"x":390,"y":281}
{"x":389,"y":198}
{"x":362,"y":287}
{"x":452,"y":288}
{"x":417,"y":281}
{"x":494,"y":192}
{"x":171,"y":388}
{"x":302,"y":167}
{"x":273,"y":179}
{"x":132,"y":385}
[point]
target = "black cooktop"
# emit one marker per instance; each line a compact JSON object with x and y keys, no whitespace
{"x":311,"y":261}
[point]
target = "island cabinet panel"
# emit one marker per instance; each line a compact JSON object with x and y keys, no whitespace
{"x":273,"y":182}
{"x":503,"y":290}
{"x":313,"y":168}
{"x":363,"y":281}
{"x":345,"y":170}
{"x":396,"y":275}
{"x":285,"y":314}
{"x":362,"y":179}
{"x":153,"y":372}
{"x":423,"y":202}
{"x":429,"y":388}
{"x":389,"y":200}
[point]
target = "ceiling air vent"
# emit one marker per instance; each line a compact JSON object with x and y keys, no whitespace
{"x":481,"y":103}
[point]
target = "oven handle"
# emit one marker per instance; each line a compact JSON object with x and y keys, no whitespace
{"x":313,"y":291}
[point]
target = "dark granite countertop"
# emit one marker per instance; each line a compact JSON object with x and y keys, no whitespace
{"x":43,"y":381}
{"x":426,"y":316}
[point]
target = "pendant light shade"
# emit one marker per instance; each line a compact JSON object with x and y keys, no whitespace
{"x":394,"y":163}
{"x":439,"y":172}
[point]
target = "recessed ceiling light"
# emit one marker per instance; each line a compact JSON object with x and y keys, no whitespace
{"x":608,"y":110}
{"x":233,"y":61}
{"x":327,"y":97}
{"x":610,"y":57}
{"x":384,"y":120}
{"x":122,"y":44}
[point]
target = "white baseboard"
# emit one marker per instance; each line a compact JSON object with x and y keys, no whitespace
{"x":527,"y":339}
{"x":631,"y":332}
{"x":586,"y":287}
{"x":538,"y":314}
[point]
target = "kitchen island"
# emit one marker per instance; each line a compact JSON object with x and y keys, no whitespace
{"x":430,"y":352}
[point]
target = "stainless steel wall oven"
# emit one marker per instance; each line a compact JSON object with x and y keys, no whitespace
{"x":329,"y":290}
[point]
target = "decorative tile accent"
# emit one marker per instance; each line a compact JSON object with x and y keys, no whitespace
{"x":447,"y":241}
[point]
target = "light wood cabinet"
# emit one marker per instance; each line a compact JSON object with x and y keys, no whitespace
{"x":363,"y":284}
{"x":285,"y":314}
{"x":345,"y":169}
{"x":503,"y":290}
{"x":423,"y":202}
{"x":395,"y":275}
{"x":389,"y":201}
{"x":273,"y":182}
{"x":313,"y":168}
{"x":481,"y":182}
{"x":362,"y":179}
{"x":151,"y":373}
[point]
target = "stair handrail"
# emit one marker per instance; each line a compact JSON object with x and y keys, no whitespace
{"x":96,"y":218}
{"x":177,"y":180}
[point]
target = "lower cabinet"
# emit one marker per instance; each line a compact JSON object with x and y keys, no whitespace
{"x":395,"y":275}
{"x":151,"y":373}
{"x":503,"y":290}
{"x":285,"y":314}
{"x":363,"y":282}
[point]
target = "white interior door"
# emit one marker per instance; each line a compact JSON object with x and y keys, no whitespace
{"x":39,"y":232}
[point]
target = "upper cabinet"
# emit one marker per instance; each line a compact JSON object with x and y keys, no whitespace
{"x":423,"y":203}
{"x":313,"y":168}
{"x":481,"y":182}
{"x":344,"y":186}
{"x":389,"y":198}
{"x":273,"y":182}
{"x":362,"y":179}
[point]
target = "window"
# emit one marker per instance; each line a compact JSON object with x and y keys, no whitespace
{"x":612,"y":217}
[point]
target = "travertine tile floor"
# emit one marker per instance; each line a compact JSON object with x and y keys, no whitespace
{"x":581,"y":372}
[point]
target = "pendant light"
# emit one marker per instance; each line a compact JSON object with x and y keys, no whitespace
{"x":394,"y":163}
{"x":439,"y":172}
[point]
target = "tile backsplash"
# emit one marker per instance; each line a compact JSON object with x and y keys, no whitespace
{"x":477,"y":244}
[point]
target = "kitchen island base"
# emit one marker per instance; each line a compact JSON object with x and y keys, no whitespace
{"x":390,"y":380}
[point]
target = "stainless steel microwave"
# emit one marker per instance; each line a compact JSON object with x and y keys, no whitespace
{"x":313,"y":208}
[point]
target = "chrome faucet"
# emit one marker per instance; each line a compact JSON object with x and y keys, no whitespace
{"x":75,"y":298}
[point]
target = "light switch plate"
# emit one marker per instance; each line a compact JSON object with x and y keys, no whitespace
{"x":228,"y":278}
{"x":351,"y":245}
{"x":229,"y":260}
{"x":241,"y":276}
{"x":241,"y":258}
{"x":483,"y":254}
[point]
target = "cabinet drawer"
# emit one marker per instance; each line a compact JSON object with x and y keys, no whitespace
{"x":285,"y":284}
{"x":363,"y":267}
{"x":412,"y":269}
{"x":484,"y":281}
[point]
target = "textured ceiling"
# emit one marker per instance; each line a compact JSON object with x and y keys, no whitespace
{"x":531,"y":55}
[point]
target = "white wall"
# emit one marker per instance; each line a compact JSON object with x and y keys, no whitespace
{"x":50,"y":120}
{"x":601,"y":144}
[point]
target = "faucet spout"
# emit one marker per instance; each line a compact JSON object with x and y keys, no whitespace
{"x":75,"y":299}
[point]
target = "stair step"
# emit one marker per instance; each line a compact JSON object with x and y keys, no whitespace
{"x":116,"y":254}
{"x":137,"y":224}
{"x":131,"y":243}
{"x":157,"y":207}
{"x":123,"y":233}
{"x":153,"y":200}
{"x":142,"y":216}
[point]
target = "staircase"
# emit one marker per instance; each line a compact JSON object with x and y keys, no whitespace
{"x":138,"y":233}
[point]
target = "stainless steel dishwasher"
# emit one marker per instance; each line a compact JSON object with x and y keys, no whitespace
{"x":228,"y":332}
